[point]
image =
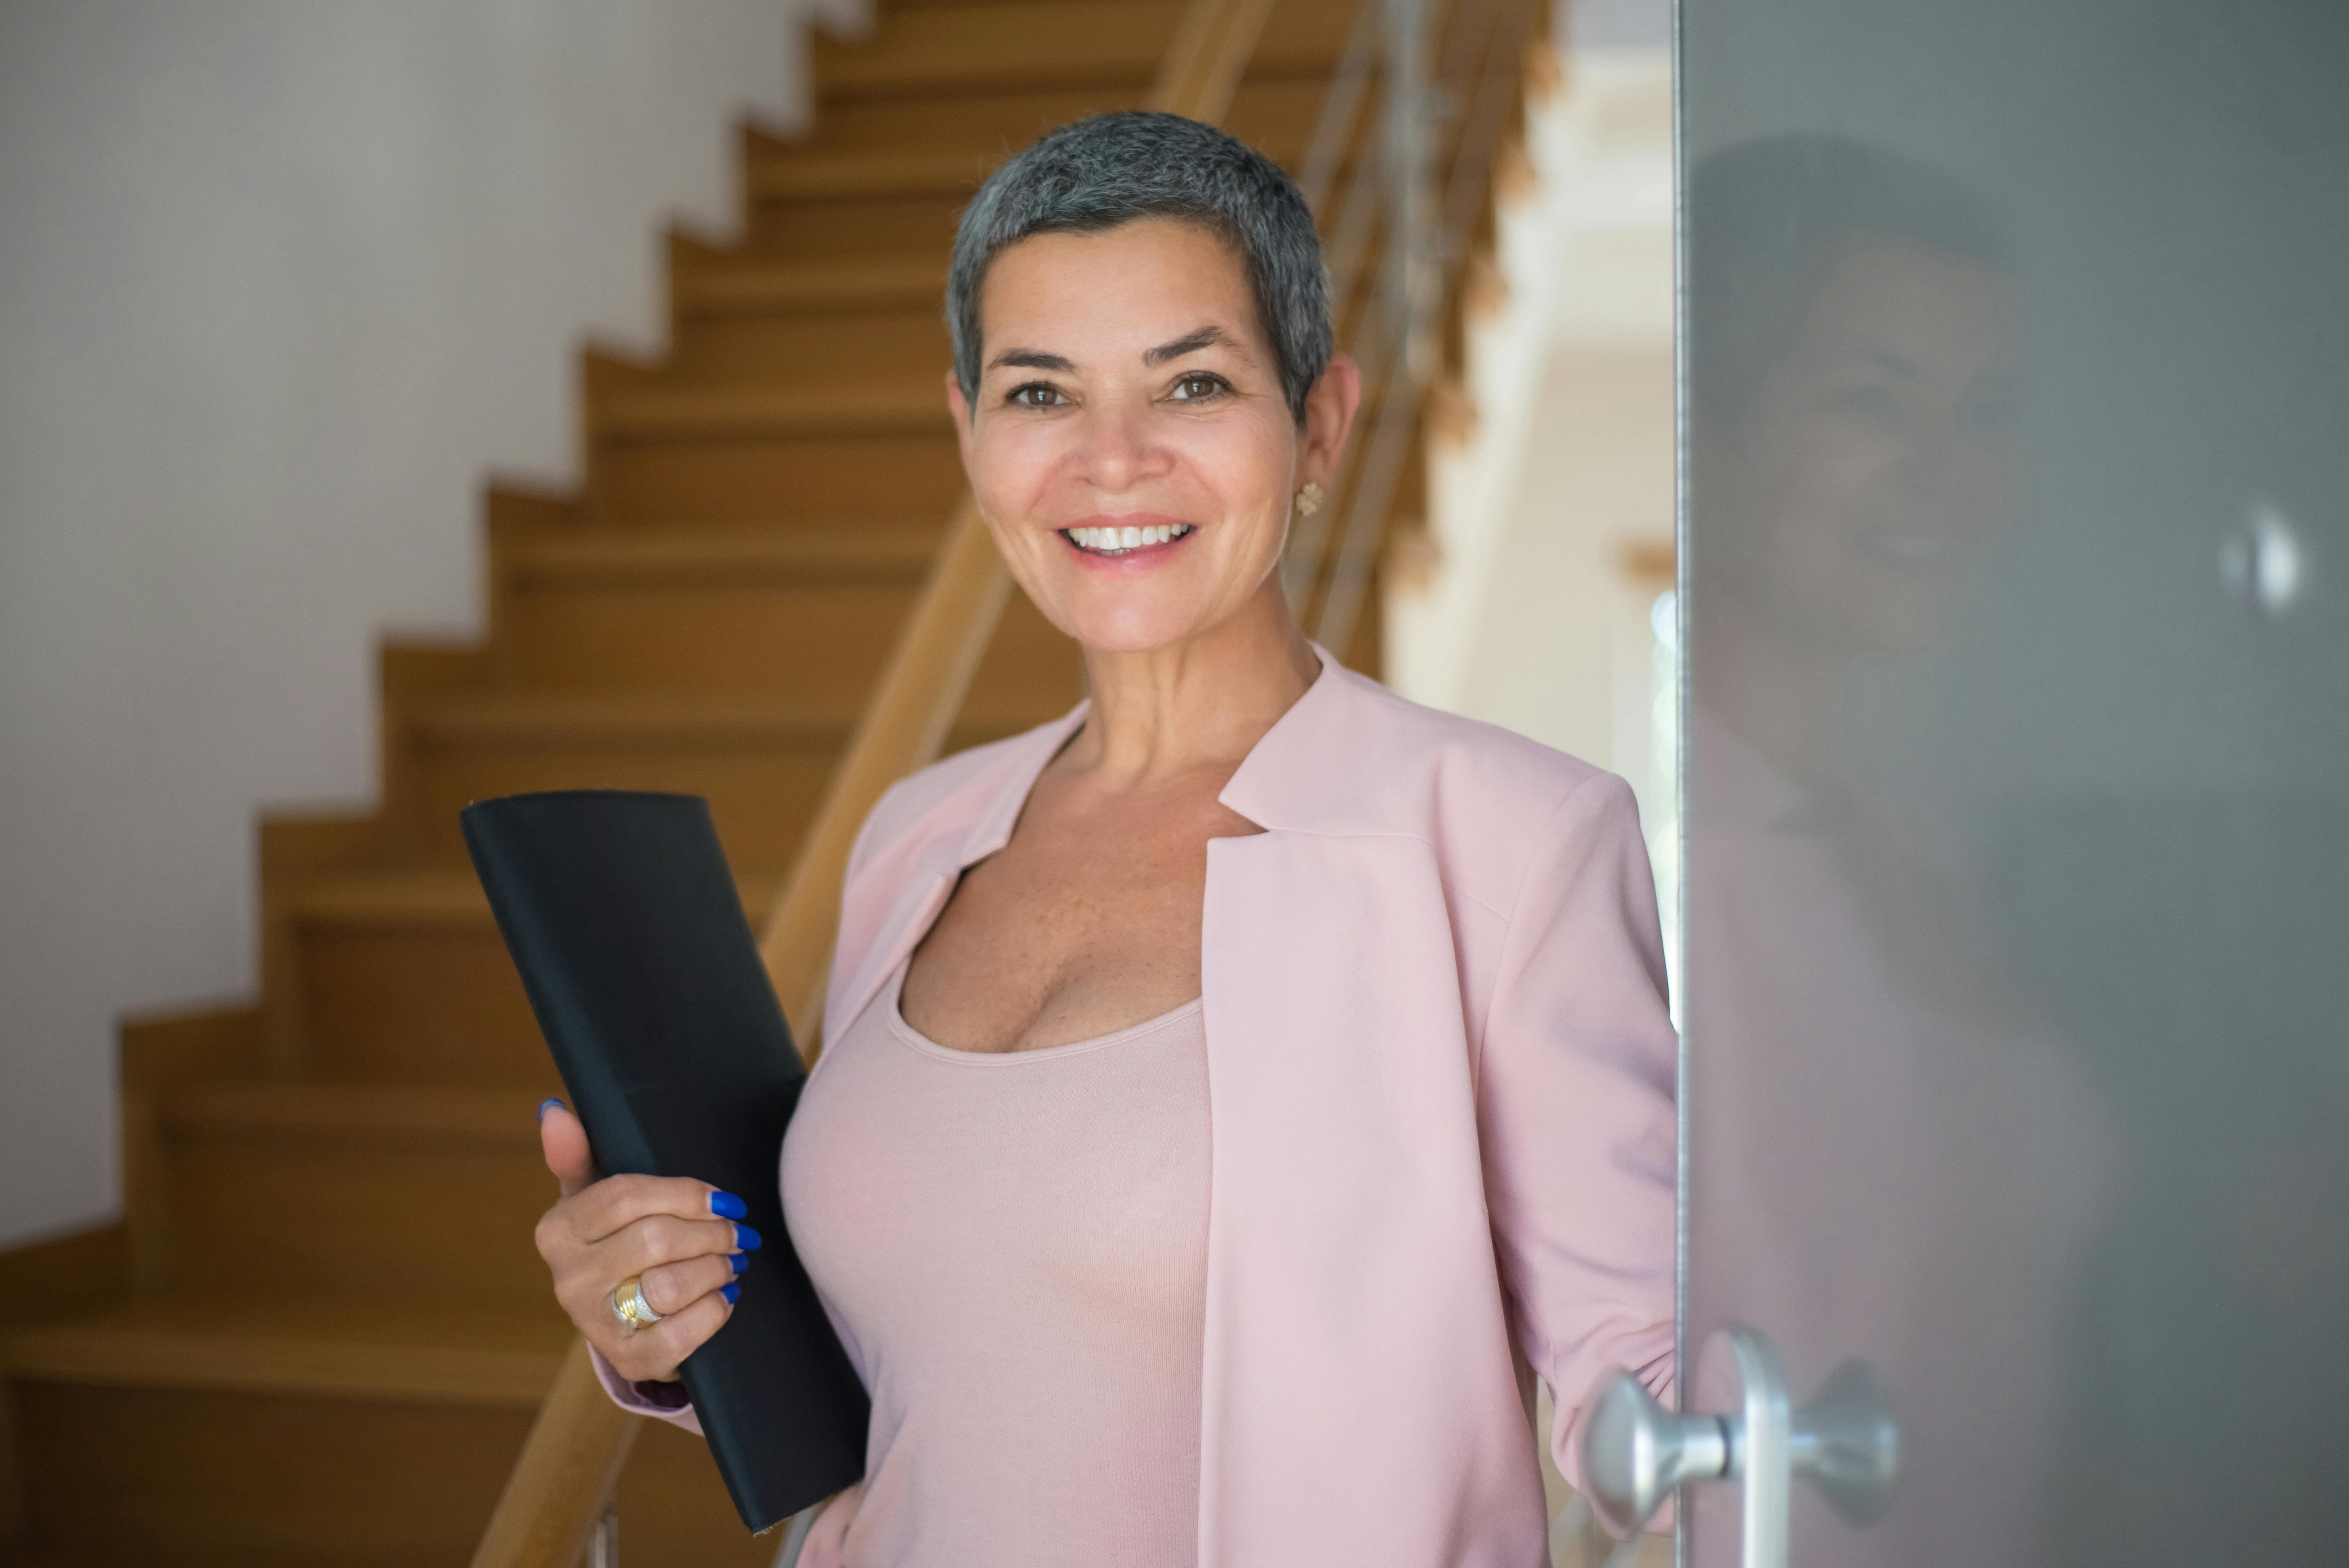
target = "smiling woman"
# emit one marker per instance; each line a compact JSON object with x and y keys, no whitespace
{"x":1234,"y":1087}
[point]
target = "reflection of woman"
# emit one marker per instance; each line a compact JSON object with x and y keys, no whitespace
{"x":1234,"y":1087}
{"x":1891,"y":1163}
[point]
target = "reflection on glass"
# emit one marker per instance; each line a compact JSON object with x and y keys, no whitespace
{"x":1883,"y":1125}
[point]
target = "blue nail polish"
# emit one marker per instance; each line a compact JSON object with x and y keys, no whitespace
{"x":544,"y":1103}
{"x":726,"y":1206}
{"x":729,"y":1290}
{"x":746,"y":1238}
{"x":739,"y":1260}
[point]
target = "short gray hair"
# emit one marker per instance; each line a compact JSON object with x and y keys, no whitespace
{"x":1104,"y":173}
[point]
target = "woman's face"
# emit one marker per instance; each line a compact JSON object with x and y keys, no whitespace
{"x":1871,"y":456}
{"x":1126,"y":385}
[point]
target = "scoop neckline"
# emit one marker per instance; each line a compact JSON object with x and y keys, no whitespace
{"x":909,"y":1036}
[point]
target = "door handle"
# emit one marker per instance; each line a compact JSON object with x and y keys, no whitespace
{"x":1636,"y":1453}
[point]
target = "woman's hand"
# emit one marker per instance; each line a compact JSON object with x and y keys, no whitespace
{"x":679,"y":1234}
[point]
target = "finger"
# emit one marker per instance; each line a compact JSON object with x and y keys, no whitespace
{"x":616,"y":1203}
{"x":673,"y":1287}
{"x":658,"y":1351}
{"x":564,"y":1143}
{"x":659,"y":1239}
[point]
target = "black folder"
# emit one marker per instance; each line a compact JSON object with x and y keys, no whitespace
{"x":623,"y":920}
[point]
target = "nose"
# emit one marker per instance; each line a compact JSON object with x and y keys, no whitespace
{"x":1115,"y":451}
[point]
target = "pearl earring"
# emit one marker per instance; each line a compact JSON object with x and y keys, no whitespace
{"x":1308,"y":500}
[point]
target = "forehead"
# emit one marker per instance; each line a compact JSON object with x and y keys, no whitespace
{"x":1930,"y":310}
{"x":1115,"y":293}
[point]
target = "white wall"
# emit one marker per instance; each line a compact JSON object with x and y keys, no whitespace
{"x":280,"y":282}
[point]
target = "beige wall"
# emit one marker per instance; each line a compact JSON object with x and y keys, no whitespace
{"x":280,"y":282}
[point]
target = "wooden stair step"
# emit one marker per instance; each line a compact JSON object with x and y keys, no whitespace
{"x":270,"y":1345}
{"x":430,"y":898}
{"x":679,"y":409}
{"x":347,"y":1116}
{"x":748,"y":283}
{"x":926,"y":171}
{"x":403,"y":978}
{"x":1033,"y":43}
{"x":635,"y":721}
{"x":355,"y":1189}
{"x":690,"y":554}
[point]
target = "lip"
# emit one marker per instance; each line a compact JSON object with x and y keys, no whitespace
{"x":1141,"y":557}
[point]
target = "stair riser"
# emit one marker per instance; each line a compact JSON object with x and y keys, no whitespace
{"x":673,"y":1511}
{"x":878,"y":479}
{"x":131,"y":1469}
{"x":423,"y":1004}
{"x":762,"y":796}
{"x":1275,"y":115}
{"x":819,"y":647}
{"x":271,"y":1213}
{"x":842,"y":228}
{"x":1020,"y":45}
{"x":806,"y":347}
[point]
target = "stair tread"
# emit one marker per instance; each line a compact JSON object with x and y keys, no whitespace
{"x":678,"y":406}
{"x":502,"y":1355}
{"x":432,"y":896}
{"x":749,"y":282}
{"x":358,"y":1112}
{"x":895,"y":552}
{"x":524,"y":717}
{"x":1027,"y":41}
{"x":796,"y":173}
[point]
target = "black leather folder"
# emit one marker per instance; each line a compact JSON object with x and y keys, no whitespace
{"x":624,"y":922}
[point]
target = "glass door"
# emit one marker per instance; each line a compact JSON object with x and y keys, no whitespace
{"x":2015,"y":598}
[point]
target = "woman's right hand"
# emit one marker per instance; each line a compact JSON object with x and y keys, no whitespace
{"x":679,"y":1234}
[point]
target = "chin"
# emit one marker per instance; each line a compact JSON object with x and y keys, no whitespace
{"x":1130,"y":631}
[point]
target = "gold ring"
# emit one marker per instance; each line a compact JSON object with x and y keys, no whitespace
{"x":629,"y":1305}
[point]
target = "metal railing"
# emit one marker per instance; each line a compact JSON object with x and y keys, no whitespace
{"x":1422,"y":96}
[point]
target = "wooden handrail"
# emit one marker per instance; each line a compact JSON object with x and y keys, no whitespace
{"x":562,"y":1484}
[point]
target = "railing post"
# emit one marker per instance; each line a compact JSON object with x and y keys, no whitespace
{"x":604,"y":1545}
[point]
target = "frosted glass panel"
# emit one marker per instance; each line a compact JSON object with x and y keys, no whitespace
{"x":2015,"y":638}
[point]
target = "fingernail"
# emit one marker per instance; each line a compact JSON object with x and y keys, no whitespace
{"x":746,"y":1238}
{"x":726,"y":1206}
{"x":739,"y":1260}
{"x":543,"y":1104}
{"x":731,"y":1290}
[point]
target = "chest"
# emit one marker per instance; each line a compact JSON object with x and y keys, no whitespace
{"x":1086,"y":922}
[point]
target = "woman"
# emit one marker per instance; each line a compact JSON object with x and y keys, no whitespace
{"x":1237,"y":1088}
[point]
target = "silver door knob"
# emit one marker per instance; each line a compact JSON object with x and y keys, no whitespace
{"x":1635,"y":1452}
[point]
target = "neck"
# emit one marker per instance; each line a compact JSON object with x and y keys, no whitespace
{"x":1200,"y":703}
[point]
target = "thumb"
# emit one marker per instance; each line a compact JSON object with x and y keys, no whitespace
{"x":565,"y":1142}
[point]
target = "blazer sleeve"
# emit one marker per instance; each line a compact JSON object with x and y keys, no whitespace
{"x":1577,"y":1113}
{"x":662,"y":1401}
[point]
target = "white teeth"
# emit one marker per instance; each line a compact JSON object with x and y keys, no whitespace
{"x":1117,"y":541}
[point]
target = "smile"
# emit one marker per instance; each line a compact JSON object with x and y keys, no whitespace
{"x":1121,"y":540}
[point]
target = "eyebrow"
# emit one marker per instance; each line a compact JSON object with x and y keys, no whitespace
{"x":1190,"y":343}
{"x":1031,"y":359}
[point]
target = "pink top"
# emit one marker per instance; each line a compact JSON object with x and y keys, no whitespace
{"x":1440,"y":1097}
{"x":1015,"y":1247}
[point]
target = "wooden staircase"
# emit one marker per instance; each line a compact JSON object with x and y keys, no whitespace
{"x":330,"y":1330}
{"x":321,"y":1332}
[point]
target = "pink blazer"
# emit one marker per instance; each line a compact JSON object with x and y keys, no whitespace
{"x":1440,"y":1093}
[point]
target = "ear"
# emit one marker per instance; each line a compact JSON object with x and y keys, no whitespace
{"x":1330,"y":410}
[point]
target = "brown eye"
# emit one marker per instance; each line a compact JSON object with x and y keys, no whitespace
{"x":1035,"y":395}
{"x":1200,"y":387}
